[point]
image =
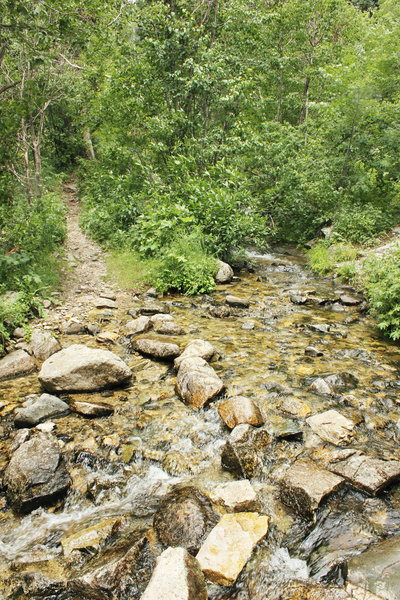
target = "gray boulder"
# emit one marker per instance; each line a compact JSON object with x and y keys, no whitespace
{"x":197,"y":347}
{"x":157,"y":349}
{"x":37,"y":409}
{"x":74,"y":327}
{"x":197,"y":383}
{"x":16,"y":364}
{"x":43,"y":344}
{"x":36,"y":473}
{"x":152,"y":307}
{"x":169,"y":328}
{"x":136,"y":326}
{"x":224,"y":273}
{"x":82,"y":369}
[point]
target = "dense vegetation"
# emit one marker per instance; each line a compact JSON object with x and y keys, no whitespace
{"x":196,"y":128}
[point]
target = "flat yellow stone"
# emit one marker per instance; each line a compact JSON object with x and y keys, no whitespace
{"x":87,"y":538}
{"x":305,"y":370}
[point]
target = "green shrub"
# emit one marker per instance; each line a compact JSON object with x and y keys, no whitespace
{"x":382,"y":283}
{"x":361,"y":223}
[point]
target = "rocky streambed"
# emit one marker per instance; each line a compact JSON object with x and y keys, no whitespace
{"x":241,"y":445}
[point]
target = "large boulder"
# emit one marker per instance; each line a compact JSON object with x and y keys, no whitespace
{"x":245,"y":450}
{"x":240,"y":409}
{"x":156,"y":349}
{"x":305,"y":484}
{"x":36,"y":473}
{"x":82,"y":369}
{"x":197,"y":382}
{"x":224,"y":273}
{"x":229,"y":546}
{"x":197,"y":347}
{"x":177,"y":576}
{"x":37,"y":409}
{"x":16,"y":364}
{"x":43,"y":344}
{"x":184,"y":518}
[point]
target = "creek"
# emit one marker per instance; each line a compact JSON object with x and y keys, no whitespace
{"x":122,"y":465}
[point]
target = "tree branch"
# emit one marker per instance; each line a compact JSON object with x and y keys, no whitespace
{"x":9,"y":86}
{"x":71,"y":64}
{"x":121,"y":8}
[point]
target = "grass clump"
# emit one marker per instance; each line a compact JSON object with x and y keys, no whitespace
{"x":326,"y":258}
{"x":130,"y":269}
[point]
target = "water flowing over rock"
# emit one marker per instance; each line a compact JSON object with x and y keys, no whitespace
{"x":235,"y":495}
{"x":136,"y":326}
{"x":229,"y":546}
{"x":36,"y":473}
{"x":321,"y":386}
{"x":79,"y":368}
{"x":224,"y":273}
{"x":88,"y":538}
{"x":305,"y":484}
{"x":16,"y":364}
{"x":199,"y":348}
{"x":156,"y":349}
{"x":240,"y":409}
{"x":42,"y":344}
{"x":197,"y":383}
{"x":332,"y":427}
{"x":37,"y":409}
{"x":244,"y":451}
{"x":184,"y":518}
{"x":177,"y":576}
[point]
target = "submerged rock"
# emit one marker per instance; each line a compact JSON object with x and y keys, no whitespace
{"x":199,"y":348}
{"x":197,"y":382}
{"x":229,"y":546}
{"x":43,"y":344}
{"x":79,"y":368}
{"x":294,"y":407}
{"x":16,"y":364}
{"x":88,"y":538}
{"x":224,"y":273}
{"x":235,"y":495}
{"x":184,"y":518}
{"x":305,"y":484}
{"x":36,"y":473}
{"x":37,"y":409}
{"x":332,"y":427}
{"x":314,"y":352}
{"x":157,"y":349}
{"x":240,"y":409}
{"x":321,"y":386}
{"x":177,"y":576}
{"x":91,"y":409}
{"x":237,"y":302}
{"x":244,"y":451}
{"x":220,"y":312}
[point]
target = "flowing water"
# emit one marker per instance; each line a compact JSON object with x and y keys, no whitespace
{"x":122,"y":465}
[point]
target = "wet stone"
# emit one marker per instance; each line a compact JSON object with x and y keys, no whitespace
{"x":196,"y":348}
{"x":91,"y":409}
{"x":136,"y":326}
{"x":237,"y":302}
{"x":151,"y":307}
{"x":108,"y":337}
{"x":230,"y":544}
{"x":321,"y":386}
{"x":224,"y":273}
{"x":314,"y":352}
{"x":294,"y":407}
{"x":16,"y":364}
{"x":332,"y":427}
{"x":43,"y":344}
{"x":235,"y":495}
{"x":220,"y":312}
{"x":298,"y":299}
{"x":378,"y":569}
{"x":36,"y":409}
{"x":319,"y":327}
{"x":342,"y":381}
{"x":177,"y":576}
{"x":169,"y":328}
{"x":184,"y":518}
{"x":197,"y":383}
{"x":312,"y":591}
{"x":74,"y":327}
{"x":88,"y":538}
{"x":240,"y":409}
{"x":305,"y":484}
{"x":156,"y":349}
{"x":350,"y":300}
{"x":285,"y":429}
{"x":36,"y":473}
{"x":244,"y":451}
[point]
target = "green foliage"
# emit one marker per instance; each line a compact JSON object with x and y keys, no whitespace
{"x":186,"y":267}
{"x":130,"y":269}
{"x":361,"y":223}
{"x":333,"y":256}
{"x":382,"y":282}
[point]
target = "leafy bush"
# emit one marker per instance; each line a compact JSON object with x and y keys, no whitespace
{"x":325,"y":258}
{"x":361,"y":223}
{"x":382,"y":283}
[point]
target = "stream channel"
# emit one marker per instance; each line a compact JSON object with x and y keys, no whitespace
{"x":122,"y":465}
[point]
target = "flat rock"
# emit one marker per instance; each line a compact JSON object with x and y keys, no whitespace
{"x":240,"y":409}
{"x":321,"y":386}
{"x":305,"y":484}
{"x":79,"y":368}
{"x":237,"y":302}
{"x":332,"y":427}
{"x":157,"y":349}
{"x":295,"y":407}
{"x":91,"y":409}
{"x":36,"y":473}
{"x":224,"y":273}
{"x":136,"y":326}
{"x":37,"y":409}
{"x":197,"y":347}
{"x":229,"y":546}
{"x":378,"y":569}
{"x":89,"y":538}
{"x":235,"y":495}
{"x":103,"y":303}
{"x":177,"y":576}
{"x":74,"y":327}
{"x":160,"y":318}
{"x":364,"y":472}
{"x":43,"y":344}
{"x":244,"y":451}
{"x":151,"y":307}
{"x":184,"y":518}
{"x":16,"y":364}
{"x":169,"y":328}
{"x":349,"y":300}
{"x":197,"y":383}
{"x":108,"y":337}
